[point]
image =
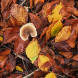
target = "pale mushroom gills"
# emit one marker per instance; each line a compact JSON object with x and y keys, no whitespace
{"x":26,"y":30}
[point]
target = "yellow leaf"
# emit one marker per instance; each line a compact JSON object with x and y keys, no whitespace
{"x":56,"y":28}
{"x":64,"y":34}
{"x":55,"y":16}
{"x":1,"y":38}
{"x":19,"y":68}
{"x":50,"y":75}
{"x":41,"y":61}
{"x":33,"y":50}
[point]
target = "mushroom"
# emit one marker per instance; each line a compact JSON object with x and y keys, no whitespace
{"x":26,"y":30}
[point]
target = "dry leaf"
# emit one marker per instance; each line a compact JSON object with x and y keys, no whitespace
{"x":67,"y":54}
{"x":55,"y":16}
{"x":64,"y":34}
{"x":5,"y":52}
{"x":18,"y":68}
{"x":42,"y":59}
{"x":33,"y":50}
{"x":50,"y":75}
{"x":20,"y":15}
{"x":56,"y":28}
{"x":75,"y":57}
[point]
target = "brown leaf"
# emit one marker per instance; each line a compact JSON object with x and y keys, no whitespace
{"x":9,"y":66}
{"x":47,"y":8}
{"x":66,"y":54}
{"x":10,"y":34}
{"x":5,"y":52}
{"x":15,"y":76}
{"x":59,"y":59}
{"x":19,"y":13}
{"x":61,"y":46}
{"x":3,"y":60}
{"x":39,"y":74}
{"x":5,"y":4}
{"x":35,"y":20}
{"x":75,"y":57}
{"x":38,"y":1}
{"x":20,"y":45}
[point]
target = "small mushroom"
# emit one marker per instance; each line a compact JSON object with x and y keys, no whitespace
{"x":26,"y":30}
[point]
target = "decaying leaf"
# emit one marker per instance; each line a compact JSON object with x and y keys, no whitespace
{"x":50,"y":75}
{"x":33,"y":50}
{"x":55,"y":13}
{"x":64,"y":34}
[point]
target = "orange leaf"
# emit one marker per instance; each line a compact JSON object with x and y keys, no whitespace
{"x":5,"y":52}
{"x":75,"y":57}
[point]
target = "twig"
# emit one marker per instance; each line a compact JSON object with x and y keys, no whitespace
{"x":74,"y":17}
{"x":23,"y":2}
{"x":28,"y":76}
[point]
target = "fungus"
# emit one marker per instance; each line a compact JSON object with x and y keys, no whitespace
{"x":26,"y":30}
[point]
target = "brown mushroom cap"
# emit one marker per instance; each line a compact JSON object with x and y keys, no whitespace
{"x":26,"y":30}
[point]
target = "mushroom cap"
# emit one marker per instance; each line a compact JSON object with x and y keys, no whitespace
{"x":26,"y":30}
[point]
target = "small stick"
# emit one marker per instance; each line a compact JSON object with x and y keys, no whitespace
{"x":28,"y":76}
{"x":74,"y":17}
{"x":23,"y":2}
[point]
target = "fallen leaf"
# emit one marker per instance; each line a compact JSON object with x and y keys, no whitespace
{"x":45,"y":62}
{"x":33,"y":50}
{"x":10,"y":34}
{"x":1,"y":38}
{"x":19,"y":13}
{"x":51,"y":75}
{"x":55,"y":16}
{"x":5,"y":4}
{"x":66,"y":54}
{"x":18,"y":68}
{"x":5,"y":52}
{"x":38,"y":1}
{"x":75,"y":57}
{"x":56,"y":28}
{"x":64,"y":34}
{"x":20,"y":45}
